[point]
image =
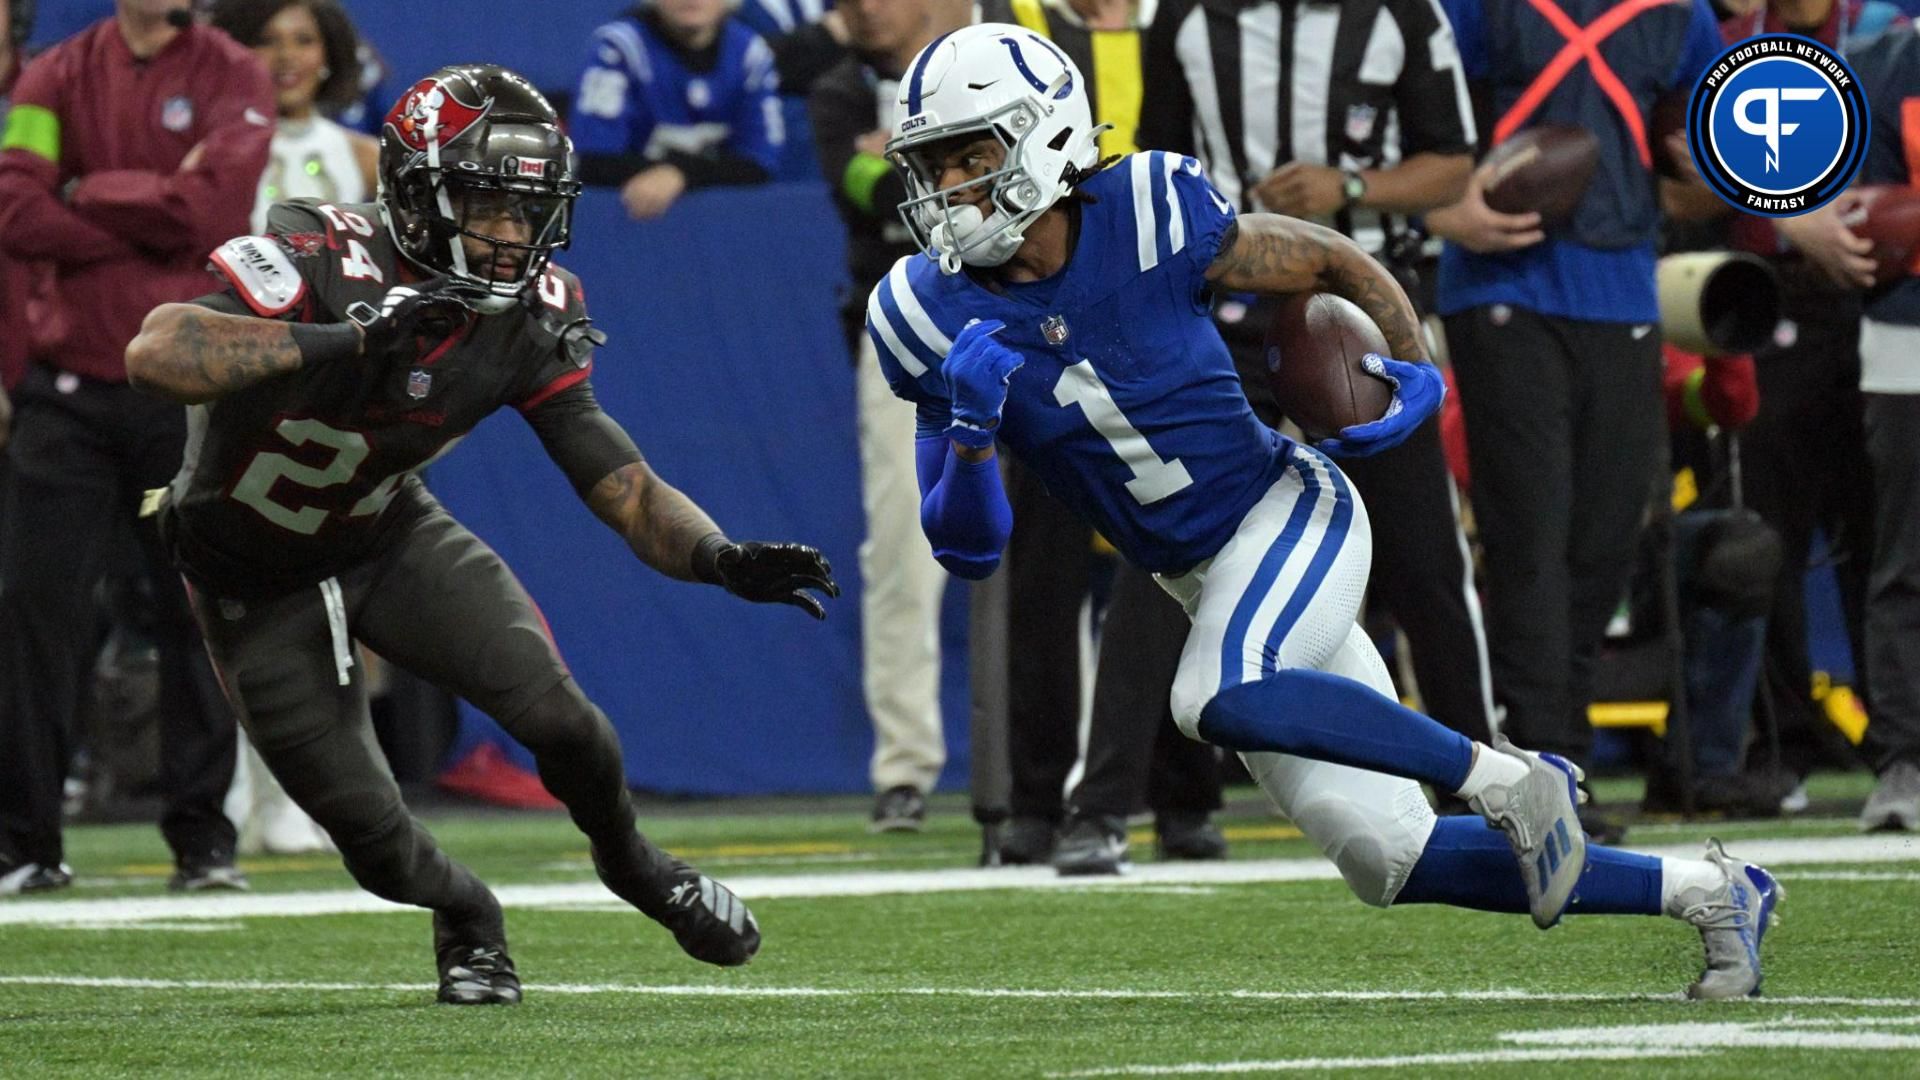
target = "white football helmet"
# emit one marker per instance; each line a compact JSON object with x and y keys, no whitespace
{"x":1003,"y":80}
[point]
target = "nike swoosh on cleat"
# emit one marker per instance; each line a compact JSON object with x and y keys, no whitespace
{"x":981,"y":85}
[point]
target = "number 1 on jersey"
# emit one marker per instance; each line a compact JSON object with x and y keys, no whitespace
{"x":1153,"y":478}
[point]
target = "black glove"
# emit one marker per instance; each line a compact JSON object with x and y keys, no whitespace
{"x":403,"y":309}
{"x":766,"y":573}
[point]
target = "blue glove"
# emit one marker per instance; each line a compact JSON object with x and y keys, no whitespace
{"x":977,"y":371}
{"x":1418,"y":390}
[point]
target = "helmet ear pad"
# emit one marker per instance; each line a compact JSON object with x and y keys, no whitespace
{"x":1022,"y":196}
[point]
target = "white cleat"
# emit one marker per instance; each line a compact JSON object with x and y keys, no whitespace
{"x":1732,"y":919}
{"x":1538,"y":813}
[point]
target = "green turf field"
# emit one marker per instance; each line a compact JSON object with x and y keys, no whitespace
{"x":886,"y":956}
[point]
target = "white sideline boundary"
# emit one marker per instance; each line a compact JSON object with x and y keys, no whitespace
{"x":722,"y":990}
{"x":1817,"y":851}
{"x":1603,"y":1043}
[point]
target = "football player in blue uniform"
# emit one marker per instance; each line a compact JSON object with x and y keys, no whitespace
{"x":1062,"y":311}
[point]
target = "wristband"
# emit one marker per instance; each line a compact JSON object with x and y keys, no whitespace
{"x":706,"y":557}
{"x":973,"y":438}
{"x":321,"y":342}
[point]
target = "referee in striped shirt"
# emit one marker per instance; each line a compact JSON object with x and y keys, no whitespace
{"x":1355,"y":114}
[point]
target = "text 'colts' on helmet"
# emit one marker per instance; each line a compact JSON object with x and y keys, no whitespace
{"x":1016,"y":86}
{"x":474,"y":152}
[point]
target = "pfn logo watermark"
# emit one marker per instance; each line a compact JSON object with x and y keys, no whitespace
{"x":1778,"y":125}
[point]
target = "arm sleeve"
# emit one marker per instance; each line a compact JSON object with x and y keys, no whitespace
{"x":580,"y":437}
{"x":1702,"y":47}
{"x":610,"y":116}
{"x":865,"y":186}
{"x":1436,"y":113}
{"x":965,"y":512}
{"x":34,"y":223}
{"x":193,"y":209}
{"x":1166,"y":101}
{"x":801,"y":57}
{"x":963,"y":507}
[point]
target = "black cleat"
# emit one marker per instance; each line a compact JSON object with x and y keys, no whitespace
{"x":1092,"y":844}
{"x":1188,"y":836}
{"x":1027,"y":841}
{"x":899,"y":809}
{"x":213,"y":874}
{"x":18,"y":879}
{"x":705,"y":917}
{"x":478,"y":975}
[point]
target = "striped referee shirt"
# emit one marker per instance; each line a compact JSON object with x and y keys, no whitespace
{"x":1249,"y":86}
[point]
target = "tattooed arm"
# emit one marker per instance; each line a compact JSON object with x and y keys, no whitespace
{"x":667,"y":530}
{"x":1267,"y":253}
{"x":191,"y":354}
{"x":660,"y":524}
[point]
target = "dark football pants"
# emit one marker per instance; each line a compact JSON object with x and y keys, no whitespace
{"x":1133,"y":745}
{"x":1134,"y":752}
{"x":1806,"y":468}
{"x":82,"y":454}
{"x":1421,"y":573}
{"x":439,"y":603}
{"x":1566,"y":436}
{"x":1893,"y":603}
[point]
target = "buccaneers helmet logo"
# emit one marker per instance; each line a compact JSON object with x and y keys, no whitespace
{"x":435,"y":107}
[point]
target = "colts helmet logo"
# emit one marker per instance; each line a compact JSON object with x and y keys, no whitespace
{"x":436,"y":104}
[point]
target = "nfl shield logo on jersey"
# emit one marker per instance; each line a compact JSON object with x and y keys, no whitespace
{"x":1054,"y":329}
{"x":177,"y":114}
{"x":1360,"y":119}
{"x":419,"y":383}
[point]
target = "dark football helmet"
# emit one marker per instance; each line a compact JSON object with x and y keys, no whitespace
{"x":463,"y":148}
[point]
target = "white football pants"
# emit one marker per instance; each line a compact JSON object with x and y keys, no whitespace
{"x":1285,"y":592}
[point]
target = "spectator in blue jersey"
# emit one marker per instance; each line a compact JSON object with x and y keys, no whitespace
{"x":1556,"y":346}
{"x":676,"y":95}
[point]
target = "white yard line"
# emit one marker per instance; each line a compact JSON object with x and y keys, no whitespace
{"x":1686,"y":1039}
{"x":1855,"y":850}
{"x":1850,"y":875}
{"x":1404,"y":1061}
{"x":998,"y":993}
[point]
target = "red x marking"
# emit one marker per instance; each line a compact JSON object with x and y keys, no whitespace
{"x":1583,"y":43}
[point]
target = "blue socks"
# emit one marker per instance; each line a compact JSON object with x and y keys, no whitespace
{"x":1467,"y":864}
{"x":1312,"y":714}
{"x":1326,"y":717}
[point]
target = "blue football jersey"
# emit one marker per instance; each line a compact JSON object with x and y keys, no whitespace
{"x":1127,"y":406}
{"x":637,"y":96}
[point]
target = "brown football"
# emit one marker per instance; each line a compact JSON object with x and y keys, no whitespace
{"x":1544,"y":169}
{"x":1314,"y":346}
{"x":1889,"y":215}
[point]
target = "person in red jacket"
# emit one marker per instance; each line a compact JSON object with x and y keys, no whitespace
{"x":131,"y":150}
{"x":16,"y":20}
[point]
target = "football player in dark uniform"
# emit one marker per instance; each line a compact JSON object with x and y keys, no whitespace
{"x":353,"y":345}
